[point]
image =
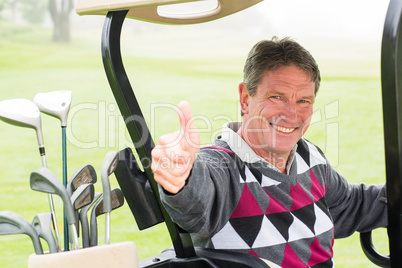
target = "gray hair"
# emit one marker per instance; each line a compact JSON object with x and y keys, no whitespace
{"x":270,"y":55}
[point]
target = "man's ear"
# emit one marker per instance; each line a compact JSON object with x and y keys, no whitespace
{"x":244,"y":98}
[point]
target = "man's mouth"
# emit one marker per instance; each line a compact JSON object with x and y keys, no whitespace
{"x":284,"y":129}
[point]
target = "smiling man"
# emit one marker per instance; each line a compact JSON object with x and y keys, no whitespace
{"x":260,"y":188}
{"x":277,"y":113}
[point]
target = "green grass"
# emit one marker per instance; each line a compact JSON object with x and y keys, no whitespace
{"x":347,"y":123}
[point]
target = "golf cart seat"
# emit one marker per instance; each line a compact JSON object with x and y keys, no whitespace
{"x":138,"y":185}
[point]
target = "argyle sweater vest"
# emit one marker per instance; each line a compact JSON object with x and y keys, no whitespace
{"x":279,"y":217}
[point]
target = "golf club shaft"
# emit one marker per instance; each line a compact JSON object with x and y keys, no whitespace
{"x":43,"y":155}
{"x":64,"y":150}
{"x":76,"y":229}
{"x":54,"y":221}
{"x":76,"y":244}
{"x":107,"y":228}
{"x":85,"y":230}
{"x":51,"y":203}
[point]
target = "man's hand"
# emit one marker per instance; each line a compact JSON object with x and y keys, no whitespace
{"x":173,"y":157}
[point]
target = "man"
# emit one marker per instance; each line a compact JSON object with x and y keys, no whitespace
{"x":261,"y":188}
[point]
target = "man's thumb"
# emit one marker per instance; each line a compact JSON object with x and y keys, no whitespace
{"x":191,"y":135}
{"x":185,"y":115}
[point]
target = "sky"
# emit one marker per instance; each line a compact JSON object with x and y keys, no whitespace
{"x":349,"y":18}
{"x":338,"y":29}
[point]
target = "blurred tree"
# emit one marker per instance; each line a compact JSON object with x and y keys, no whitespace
{"x":32,"y":11}
{"x":60,"y":13}
{"x":8,"y":5}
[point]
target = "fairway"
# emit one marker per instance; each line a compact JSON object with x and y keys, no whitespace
{"x":347,"y":123}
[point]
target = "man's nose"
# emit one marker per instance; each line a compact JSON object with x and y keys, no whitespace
{"x":290,"y":112}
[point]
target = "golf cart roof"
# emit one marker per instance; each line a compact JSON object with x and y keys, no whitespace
{"x":147,"y":10}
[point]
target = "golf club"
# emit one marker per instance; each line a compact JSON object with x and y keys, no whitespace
{"x":42,"y":224}
{"x":57,"y":104}
{"x":43,"y":180}
{"x":84,"y":221}
{"x":117,"y":201}
{"x":12,"y":223}
{"x":108,"y":167}
{"x":24,"y":113}
{"x":80,"y":198}
{"x":83,"y":175}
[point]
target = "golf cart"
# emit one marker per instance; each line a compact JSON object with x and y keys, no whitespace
{"x":140,"y":189}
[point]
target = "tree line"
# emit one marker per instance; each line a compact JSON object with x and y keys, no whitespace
{"x":35,"y":11}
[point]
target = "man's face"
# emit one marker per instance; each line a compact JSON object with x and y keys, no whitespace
{"x":279,"y":113}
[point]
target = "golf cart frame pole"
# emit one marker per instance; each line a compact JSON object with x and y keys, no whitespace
{"x":391,"y":82}
{"x":134,"y":119}
{"x":391,"y":76}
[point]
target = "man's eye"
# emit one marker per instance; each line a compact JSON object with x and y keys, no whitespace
{"x":275,"y":97}
{"x":304,"y":101}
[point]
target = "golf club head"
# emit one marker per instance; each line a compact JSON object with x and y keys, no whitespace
{"x":108,"y":167}
{"x":83,"y":196}
{"x":22,"y":113}
{"x":42,"y":224}
{"x":80,"y":198}
{"x":84,"y":220}
{"x":117,"y":200}
{"x":43,"y":180}
{"x":83,"y":175}
{"x":55,"y":103}
{"x":12,"y":223}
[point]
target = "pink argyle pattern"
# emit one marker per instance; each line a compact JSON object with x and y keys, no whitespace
{"x":287,"y":223}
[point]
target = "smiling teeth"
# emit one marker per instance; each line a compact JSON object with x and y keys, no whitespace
{"x":283,"y":129}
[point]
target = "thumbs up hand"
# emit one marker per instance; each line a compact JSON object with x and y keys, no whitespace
{"x":173,"y":157}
